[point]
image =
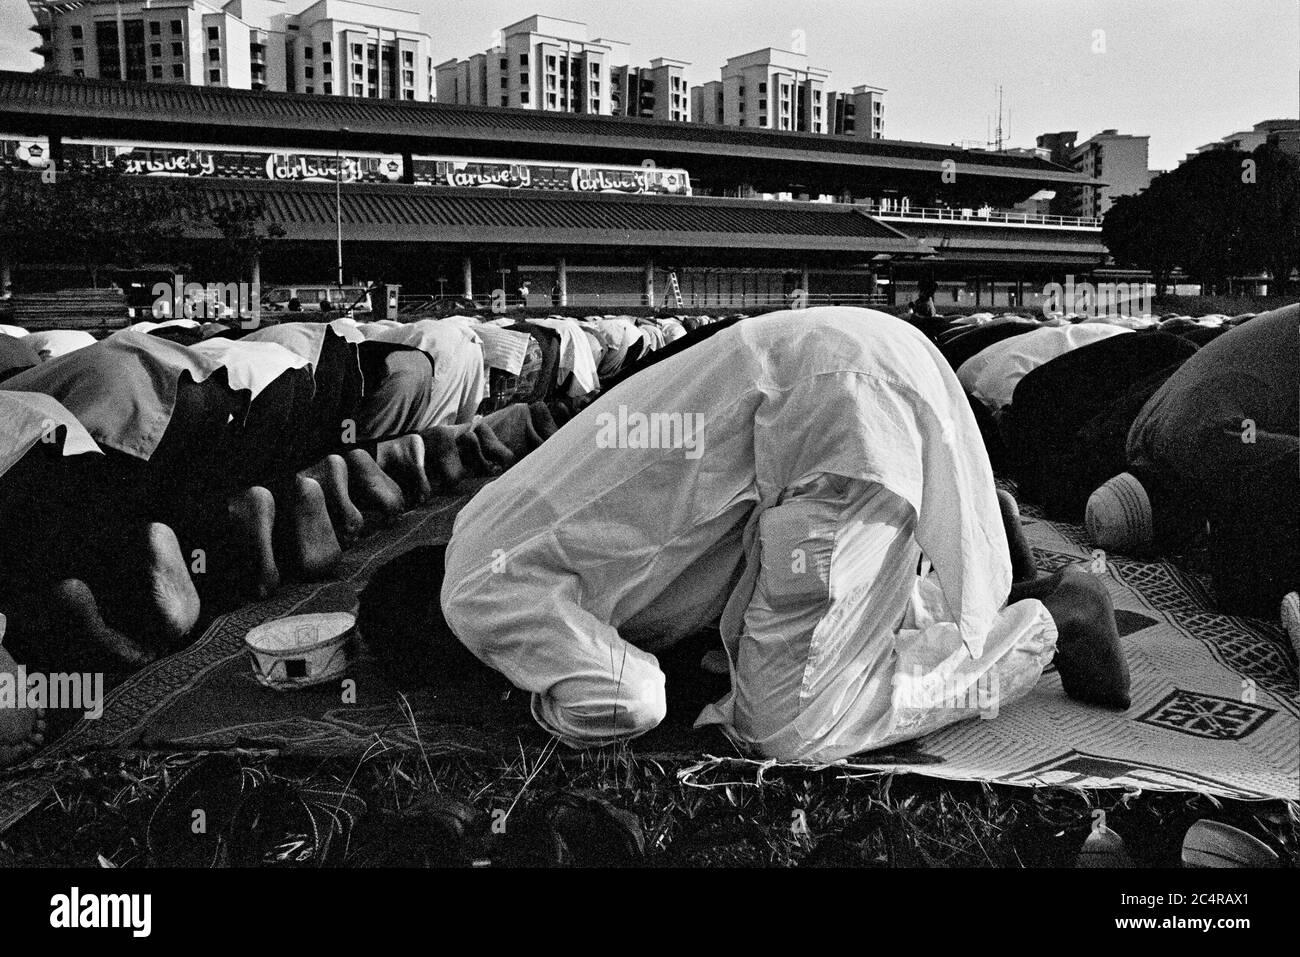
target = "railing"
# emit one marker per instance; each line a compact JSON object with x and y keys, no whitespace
{"x":417,"y":306}
{"x":1005,"y":217}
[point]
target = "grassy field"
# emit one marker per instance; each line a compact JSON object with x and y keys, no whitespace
{"x":718,"y":817}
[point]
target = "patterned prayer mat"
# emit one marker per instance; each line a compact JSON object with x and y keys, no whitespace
{"x":1215,"y":708}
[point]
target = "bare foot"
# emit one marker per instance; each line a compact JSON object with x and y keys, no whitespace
{"x":22,"y":730}
{"x":171,"y":607}
{"x":332,"y":474}
{"x":1023,"y":568}
{"x":303,"y":525}
{"x":1089,"y":657}
{"x":252,"y":519}
{"x":471,"y":452}
{"x":371,"y":489}
{"x":493,"y":449}
{"x":63,"y":625}
{"x":442,"y":456}
{"x":403,"y":460}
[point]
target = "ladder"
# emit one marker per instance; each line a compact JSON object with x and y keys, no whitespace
{"x":674,"y":290}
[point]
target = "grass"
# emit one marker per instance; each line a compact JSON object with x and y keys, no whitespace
{"x":719,"y":815}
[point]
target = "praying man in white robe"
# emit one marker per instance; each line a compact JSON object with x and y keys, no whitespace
{"x":814,"y":480}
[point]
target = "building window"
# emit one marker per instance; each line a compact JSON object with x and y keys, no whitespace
{"x":505,"y":83}
{"x":178,"y":49}
{"x":523,"y":96}
{"x":77,"y":33}
{"x":310,"y":88}
{"x":550,"y":99}
{"x":308,"y":53}
{"x":505,"y":100}
{"x":328,"y":87}
{"x":357,"y":52}
{"x":762,"y":105}
{"x":214,"y":55}
{"x":307,"y":72}
{"x":78,"y":54}
{"x":326,"y":48}
{"x":550,"y":82}
{"x":78,"y":72}
{"x":762,"y":88}
{"x":176,"y":28}
{"x":741,"y":91}
{"x":108,"y":50}
{"x":214,"y":76}
{"x":595,"y":106}
{"x":550,"y":63}
{"x":156,"y":72}
{"x":214,"y":34}
{"x":877,"y":108}
{"x":408,"y":58}
{"x":523,"y":79}
{"x":523,"y":59}
{"x":595,"y":69}
{"x":358,"y":89}
{"x":357,"y":71}
{"x":817,"y":96}
{"x":505,"y":64}
{"x":178,"y":70}
{"x":328,"y":67}
{"x":155,"y":50}
{"x":155,"y":28}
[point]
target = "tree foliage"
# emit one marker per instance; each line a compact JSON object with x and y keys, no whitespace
{"x":1223,"y":213}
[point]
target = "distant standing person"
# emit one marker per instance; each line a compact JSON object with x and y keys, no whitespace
{"x":556,"y":296}
{"x":923,"y":313}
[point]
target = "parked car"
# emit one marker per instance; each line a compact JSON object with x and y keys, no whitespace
{"x":354,"y":299}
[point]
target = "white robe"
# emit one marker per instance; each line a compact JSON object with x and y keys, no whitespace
{"x":30,"y":417}
{"x":850,"y":411}
{"x":460,"y":381}
{"x":992,"y":374}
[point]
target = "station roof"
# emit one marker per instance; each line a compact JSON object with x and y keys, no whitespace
{"x":46,"y":101}
{"x":479,"y":217}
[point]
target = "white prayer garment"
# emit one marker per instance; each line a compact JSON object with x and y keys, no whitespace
{"x":306,"y":338}
{"x":59,"y":342}
{"x":30,"y":417}
{"x":785,"y":474}
{"x":459,"y":382}
{"x":575,"y":355}
{"x":249,"y":363}
{"x":123,"y":389}
{"x":992,"y":374}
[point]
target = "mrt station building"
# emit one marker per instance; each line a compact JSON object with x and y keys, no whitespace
{"x":592,"y":210}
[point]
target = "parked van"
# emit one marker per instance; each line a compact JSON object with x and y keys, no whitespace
{"x":354,"y":299}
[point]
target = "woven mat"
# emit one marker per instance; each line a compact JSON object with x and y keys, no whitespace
{"x":1215,"y":708}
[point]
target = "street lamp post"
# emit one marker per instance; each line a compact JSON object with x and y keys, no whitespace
{"x":338,"y":204}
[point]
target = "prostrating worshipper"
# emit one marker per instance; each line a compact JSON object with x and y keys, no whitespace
{"x":1218,"y":443}
{"x":1054,"y":459}
{"x":185,"y":437}
{"x":788,"y":475}
{"x":70,"y":559}
{"x":992,"y":374}
{"x":16,"y":355}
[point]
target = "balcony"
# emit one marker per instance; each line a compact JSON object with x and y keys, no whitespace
{"x":981,"y":217}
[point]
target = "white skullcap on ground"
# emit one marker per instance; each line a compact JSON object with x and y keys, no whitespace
{"x":1119,"y":514}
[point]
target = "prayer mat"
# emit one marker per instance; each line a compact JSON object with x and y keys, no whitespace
{"x":1215,"y":707}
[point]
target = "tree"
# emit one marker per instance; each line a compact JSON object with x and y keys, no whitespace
{"x":245,"y":231}
{"x":91,"y":218}
{"x":1271,"y":215}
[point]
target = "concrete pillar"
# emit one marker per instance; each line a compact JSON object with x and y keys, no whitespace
{"x":467,"y":277}
{"x":650,"y":282}
{"x":562,"y":280}
{"x":803,"y":283}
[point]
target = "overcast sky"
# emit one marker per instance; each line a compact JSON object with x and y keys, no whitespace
{"x":1183,"y":71}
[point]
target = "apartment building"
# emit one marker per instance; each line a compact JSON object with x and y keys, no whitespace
{"x":779,"y":90}
{"x":337,"y":47}
{"x":548,"y":63}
